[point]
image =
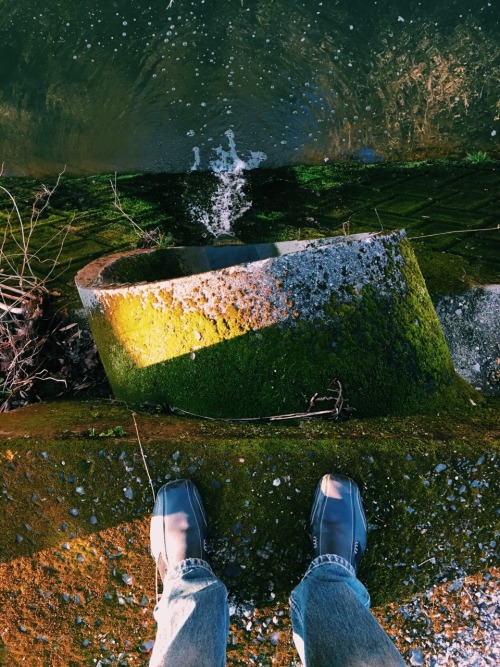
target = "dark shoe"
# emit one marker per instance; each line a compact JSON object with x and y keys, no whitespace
{"x":178,"y":525}
{"x":338,"y":524}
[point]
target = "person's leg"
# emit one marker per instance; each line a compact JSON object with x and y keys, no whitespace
{"x":332,"y":624}
{"x":192,"y":615}
{"x":192,"y":618}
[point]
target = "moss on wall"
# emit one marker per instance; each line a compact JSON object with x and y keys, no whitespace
{"x":391,"y":352}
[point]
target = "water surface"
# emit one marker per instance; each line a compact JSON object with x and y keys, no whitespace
{"x":137,"y":85}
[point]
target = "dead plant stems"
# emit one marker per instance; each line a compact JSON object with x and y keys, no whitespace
{"x":118,"y":205}
{"x":23,"y":295}
{"x":154,"y":238}
{"x":333,"y":412}
{"x":143,"y":455}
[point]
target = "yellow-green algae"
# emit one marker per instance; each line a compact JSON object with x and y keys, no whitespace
{"x":387,"y":351}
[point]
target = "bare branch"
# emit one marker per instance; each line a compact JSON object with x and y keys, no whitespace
{"x":149,"y":238}
{"x":23,"y":298}
{"x":331,"y":413}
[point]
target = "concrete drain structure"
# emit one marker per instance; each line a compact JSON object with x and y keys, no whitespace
{"x":258,"y":330}
{"x":471,"y":325}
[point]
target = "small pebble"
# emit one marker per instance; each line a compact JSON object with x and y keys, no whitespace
{"x":248,"y":610}
{"x":417,"y":657}
{"x":146,"y":647}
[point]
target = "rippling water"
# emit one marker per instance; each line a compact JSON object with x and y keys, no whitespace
{"x":133,"y":84}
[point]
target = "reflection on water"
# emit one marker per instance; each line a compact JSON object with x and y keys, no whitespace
{"x":136,"y":85}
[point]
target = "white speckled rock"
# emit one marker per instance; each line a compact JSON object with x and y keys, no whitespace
{"x":471,"y":325}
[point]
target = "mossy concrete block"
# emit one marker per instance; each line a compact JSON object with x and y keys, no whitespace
{"x":255,"y":331}
{"x":471,"y":324}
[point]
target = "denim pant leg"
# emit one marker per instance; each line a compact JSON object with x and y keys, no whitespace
{"x":192,"y":618}
{"x":332,"y":624}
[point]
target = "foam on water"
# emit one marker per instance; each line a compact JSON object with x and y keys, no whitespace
{"x":228,"y":202}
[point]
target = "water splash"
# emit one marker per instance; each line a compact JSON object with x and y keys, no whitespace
{"x":228,"y":202}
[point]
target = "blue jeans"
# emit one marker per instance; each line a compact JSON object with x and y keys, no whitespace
{"x":332,"y":626}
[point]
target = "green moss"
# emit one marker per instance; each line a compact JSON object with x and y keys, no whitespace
{"x":391,"y":351}
{"x":415,"y":513}
{"x":386,"y":349}
{"x":444,"y":273}
{"x":322,"y":177}
{"x":287,"y":203}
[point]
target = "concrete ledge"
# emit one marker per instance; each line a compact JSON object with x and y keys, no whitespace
{"x":76,"y":506}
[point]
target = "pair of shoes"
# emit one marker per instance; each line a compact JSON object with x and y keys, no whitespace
{"x":178,"y":525}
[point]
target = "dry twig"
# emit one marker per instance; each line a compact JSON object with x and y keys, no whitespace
{"x":330,"y":413}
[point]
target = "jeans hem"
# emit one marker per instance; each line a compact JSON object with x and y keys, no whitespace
{"x":184,"y":566}
{"x":331,"y":559}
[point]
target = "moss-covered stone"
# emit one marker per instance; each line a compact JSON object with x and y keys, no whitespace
{"x":273,"y":334}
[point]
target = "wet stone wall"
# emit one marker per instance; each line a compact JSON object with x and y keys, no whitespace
{"x":471,"y":324}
